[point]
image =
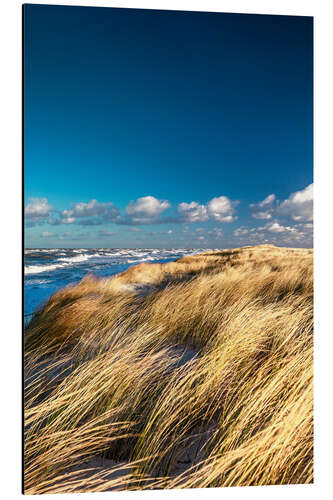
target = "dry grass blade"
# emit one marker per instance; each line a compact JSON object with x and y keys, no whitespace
{"x":194,"y":373}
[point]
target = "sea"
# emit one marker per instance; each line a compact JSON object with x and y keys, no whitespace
{"x":48,"y":270}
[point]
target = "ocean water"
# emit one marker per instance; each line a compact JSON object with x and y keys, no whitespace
{"x":48,"y":270}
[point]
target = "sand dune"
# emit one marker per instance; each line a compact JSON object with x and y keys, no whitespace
{"x":194,"y":373}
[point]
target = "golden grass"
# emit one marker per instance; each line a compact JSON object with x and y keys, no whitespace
{"x":203,"y":379}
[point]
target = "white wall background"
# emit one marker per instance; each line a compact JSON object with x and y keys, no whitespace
{"x":10,"y":233}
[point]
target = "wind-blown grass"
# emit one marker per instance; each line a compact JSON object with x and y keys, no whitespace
{"x":195,"y":373}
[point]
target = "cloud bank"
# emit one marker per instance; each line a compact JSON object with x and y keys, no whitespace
{"x":144,"y":210}
{"x":287,"y":221}
{"x":298,"y":206}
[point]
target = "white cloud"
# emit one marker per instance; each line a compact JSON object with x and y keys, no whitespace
{"x":262,"y":215}
{"x":275,"y":227}
{"x":293,"y":234}
{"x":264,"y":209}
{"x":267,"y":201}
{"x":220,"y":209}
{"x":148,"y":206}
{"x":37,"y":209}
{"x":145,"y":210}
{"x":241,"y":231}
{"x":297,"y":234}
{"x":299,"y":205}
{"x":192,"y":212}
{"x":67,"y":219}
{"x":86,"y":214}
{"x":102,"y":212}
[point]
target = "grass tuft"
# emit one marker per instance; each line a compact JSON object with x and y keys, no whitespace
{"x":190,"y":374}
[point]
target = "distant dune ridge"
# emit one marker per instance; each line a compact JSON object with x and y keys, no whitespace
{"x":190,"y":374}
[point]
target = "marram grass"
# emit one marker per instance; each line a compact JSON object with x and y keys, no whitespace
{"x":190,"y":374}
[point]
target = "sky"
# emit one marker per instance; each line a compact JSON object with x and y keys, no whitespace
{"x":166,"y":129}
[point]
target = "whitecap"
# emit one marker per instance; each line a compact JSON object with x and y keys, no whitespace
{"x":79,"y":258}
{"x":41,"y":269}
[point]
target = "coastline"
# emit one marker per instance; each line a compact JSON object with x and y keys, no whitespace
{"x":50,"y":270}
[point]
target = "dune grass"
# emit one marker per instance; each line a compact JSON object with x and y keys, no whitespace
{"x":195,"y":373}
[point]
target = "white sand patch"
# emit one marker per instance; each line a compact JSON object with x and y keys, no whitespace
{"x":140,"y":288}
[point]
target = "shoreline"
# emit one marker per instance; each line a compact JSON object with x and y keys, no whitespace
{"x":56,"y":268}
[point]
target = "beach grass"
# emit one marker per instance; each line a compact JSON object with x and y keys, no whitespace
{"x":190,"y":374}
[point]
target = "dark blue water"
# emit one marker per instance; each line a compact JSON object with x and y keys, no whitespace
{"x":48,"y":270}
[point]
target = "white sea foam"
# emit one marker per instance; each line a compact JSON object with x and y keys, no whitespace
{"x":79,"y":258}
{"x":40,"y":250}
{"x":116,"y":254}
{"x":35,"y":281}
{"x":41,"y":269}
{"x":129,"y":256}
{"x":65,"y":262}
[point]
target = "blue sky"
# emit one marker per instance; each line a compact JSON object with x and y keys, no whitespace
{"x":167,"y":129}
